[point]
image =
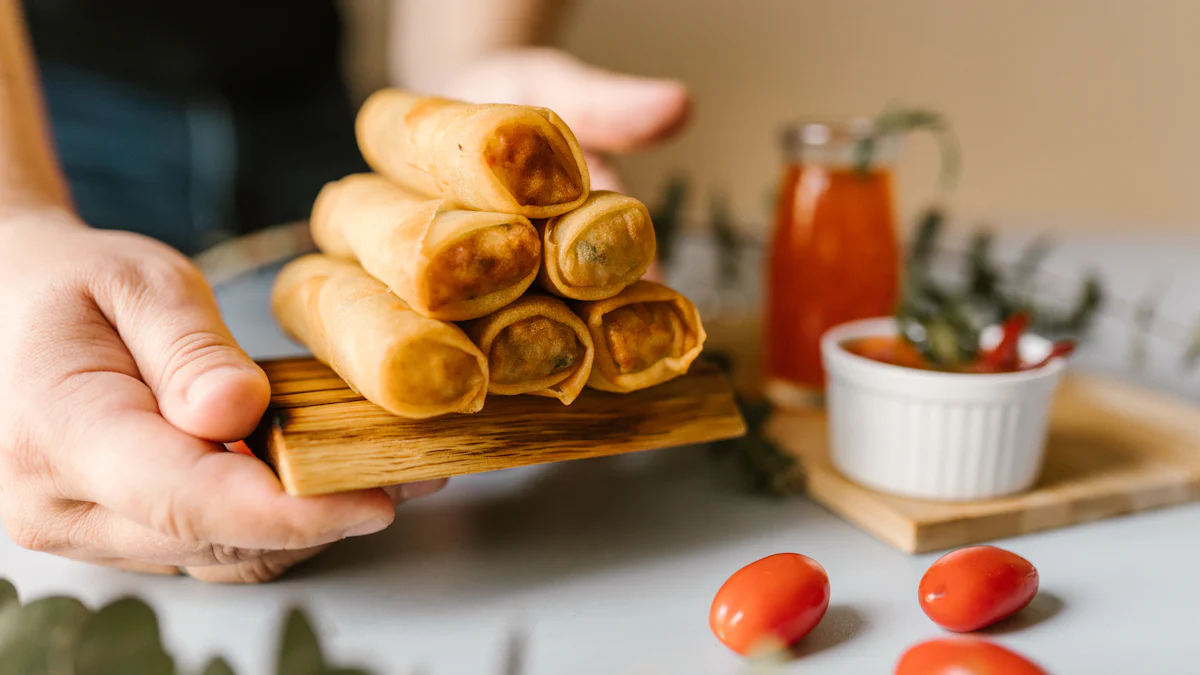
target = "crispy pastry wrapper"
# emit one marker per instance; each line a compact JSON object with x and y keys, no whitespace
{"x":488,"y":157}
{"x":595,"y":251}
{"x":536,"y":345}
{"x":645,"y":335}
{"x":445,"y":262}
{"x":408,"y":364}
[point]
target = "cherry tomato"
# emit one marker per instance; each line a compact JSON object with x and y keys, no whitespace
{"x":770,"y":603}
{"x":964,"y":656}
{"x":976,"y":586}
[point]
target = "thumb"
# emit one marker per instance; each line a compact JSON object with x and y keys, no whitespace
{"x":607,"y":111}
{"x":206,"y":386}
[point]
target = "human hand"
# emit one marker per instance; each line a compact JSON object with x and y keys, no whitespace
{"x":118,"y":385}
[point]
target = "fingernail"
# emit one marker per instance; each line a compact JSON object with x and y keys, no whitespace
{"x":406,"y":491}
{"x":369,"y":527}
{"x":421,"y":488}
{"x":213,"y":381}
{"x":396,"y":492}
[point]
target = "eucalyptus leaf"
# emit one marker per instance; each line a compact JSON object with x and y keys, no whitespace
{"x":1143,"y":323}
{"x":122,"y":637}
{"x":1030,"y":263}
{"x":768,"y":468}
{"x":1091,"y":299}
{"x":896,"y":120}
{"x":1191,"y":356}
{"x":771,"y":202}
{"x":218,"y":666}
{"x":945,"y":323}
{"x":1077,"y":321}
{"x":8,"y":594}
{"x":920,"y":255}
{"x":983,"y":276}
{"x":667,"y":216}
{"x":299,"y":649}
{"x":728,"y":243}
{"x":36,"y":639}
{"x":945,"y":344}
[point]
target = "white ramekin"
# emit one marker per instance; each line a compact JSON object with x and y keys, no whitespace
{"x":932,"y":435}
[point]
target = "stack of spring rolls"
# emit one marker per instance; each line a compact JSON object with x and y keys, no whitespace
{"x":476,"y":260}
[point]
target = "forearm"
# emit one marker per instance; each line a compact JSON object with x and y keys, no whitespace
{"x":432,"y":40}
{"x":30,"y":178}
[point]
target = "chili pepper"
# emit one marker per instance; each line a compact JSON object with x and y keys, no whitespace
{"x":1006,"y":356}
{"x":1061,"y":349}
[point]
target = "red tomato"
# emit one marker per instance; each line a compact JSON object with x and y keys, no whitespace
{"x":770,"y":603}
{"x":964,"y":656}
{"x":976,"y":586}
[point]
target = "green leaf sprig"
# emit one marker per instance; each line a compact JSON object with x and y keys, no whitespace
{"x":59,"y":635}
{"x":729,"y":244}
{"x":767,"y":468}
{"x":898,"y":120}
{"x":945,"y":321}
{"x":667,"y":216}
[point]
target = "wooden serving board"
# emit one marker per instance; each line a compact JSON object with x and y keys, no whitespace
{"x":1114,"y":448}
{"x":321,"y":437}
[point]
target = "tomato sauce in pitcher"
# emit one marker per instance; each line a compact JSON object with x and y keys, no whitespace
{"x":834,"y":255}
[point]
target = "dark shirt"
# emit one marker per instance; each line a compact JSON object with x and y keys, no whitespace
{"x":191,"y":121}
{"x":241,"y":48}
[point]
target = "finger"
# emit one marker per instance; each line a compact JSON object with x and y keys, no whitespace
{"x":124,"y":456}
{"x":267,"y":567}
{"x":140,"y":567}
{"x":654,"y":272}
{"x":91,"y":533}
{"x":607,"y":111}
{"x":603,"y":175}
{"x":411,"y":491}
{"x":111,"y":447}
{"x":168,"y":319}
{"x":621,"y":113}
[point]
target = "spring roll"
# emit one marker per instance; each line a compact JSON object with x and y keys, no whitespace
{"x":445,"y":262}
{"x":488,"y":157}
{"x":535,"y":346}
{"x":406,"y":363}
{"x":595,"y":251}
{"x":645,"y":335}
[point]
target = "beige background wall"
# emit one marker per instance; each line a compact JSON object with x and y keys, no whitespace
{"x":1071,"y":113}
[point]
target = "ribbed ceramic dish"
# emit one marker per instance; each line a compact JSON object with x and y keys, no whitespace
{"x":933,"y":435}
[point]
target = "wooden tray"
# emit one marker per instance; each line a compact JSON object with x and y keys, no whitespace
{"x":1114,"y":448}
{"x":321,"y":437}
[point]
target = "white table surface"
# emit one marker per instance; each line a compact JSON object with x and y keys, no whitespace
{"x":611,"y":564}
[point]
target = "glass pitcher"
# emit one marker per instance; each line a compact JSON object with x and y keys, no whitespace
{"x":834,"y":255}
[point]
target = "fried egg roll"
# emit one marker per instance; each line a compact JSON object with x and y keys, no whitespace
{"x":535,"y":346}
{"x":408,"y":364}
{"x":645,"y":335}
{"x":489,"y":157}
{"x":445,"y":262}
{"x":598,"y":249}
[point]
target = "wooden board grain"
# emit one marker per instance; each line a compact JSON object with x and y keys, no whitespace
{"x":1114,"y":448}
{"x":321,"y":437}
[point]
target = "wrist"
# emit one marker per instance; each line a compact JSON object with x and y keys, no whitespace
{"x":38,"y":217}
